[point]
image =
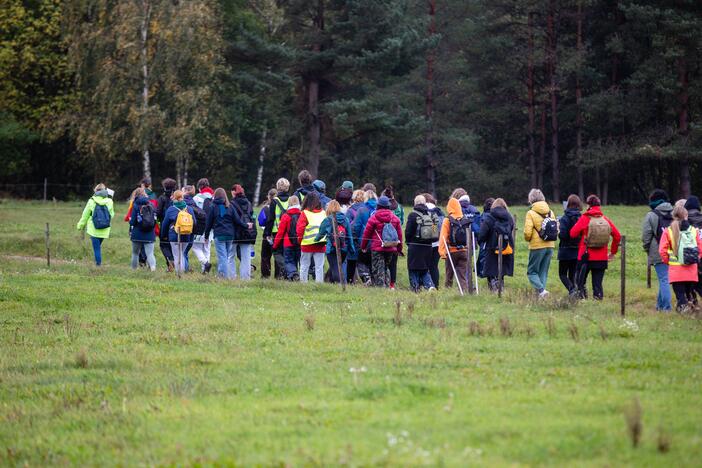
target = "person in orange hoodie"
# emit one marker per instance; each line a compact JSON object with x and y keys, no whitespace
{"x":454,"y":236}
{"x":682,"y":270}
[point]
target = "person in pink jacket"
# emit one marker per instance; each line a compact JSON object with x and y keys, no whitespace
{"x":682,"y":270}
{"x":382,"y":255}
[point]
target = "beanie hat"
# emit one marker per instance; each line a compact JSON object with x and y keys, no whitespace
{"x":319,"y":185}
{"x":384,"y":202}
{"x":347,"y":185}
{"x":692,"y":203}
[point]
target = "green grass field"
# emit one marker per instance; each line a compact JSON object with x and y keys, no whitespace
{"x":113,"y":367}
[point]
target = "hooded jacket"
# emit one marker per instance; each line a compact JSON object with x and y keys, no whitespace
{"x":283,"y":234}
{"x":169,"y":221}
{"x":472,"y":212}
{"x":136,"y":234}
{"x":694,"y":216}
{"x":86,"y":219}
{"x":162,"y":205}
{"x":649,"y":229}
{"x":327,"y":229}
{"x":244,"y":207}
{"x":580,"y":230}
{"x":373,"y":233}
{"x":453,"y":208}
{"x":437,"y":211}
{"x":302,"y":192}
{"x":532,"y":225}
{"x":220,"y":221}
{"x":568,"y":246}
{"x":361,"y":220}
{"x":489,"y":239}
{"x":419,"y":252}
{"x":679,"y":273}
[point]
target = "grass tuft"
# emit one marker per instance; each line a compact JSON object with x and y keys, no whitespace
{"x":663,"y":440}
{"x":309,"y":322}
{"x":550,"y":325}
{"x":633,"y":416}
{"x":81,"y":359}
{"x":506,"y":328}
{"x":574,"y":331}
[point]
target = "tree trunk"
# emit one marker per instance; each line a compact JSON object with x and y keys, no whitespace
{"x":532,"y":110}
{"x":261,"y":158}
{"x":555,"y":175}
{"x":578,"y":98}
{"x":313,"y":117}
{"x":683,"y":126}
{"x":605,"y":186}
{"x":429,"y":105}
{"x":542,"y":149}
{"x":146,"y":19}
{"x":179,"y":171}
{"x":186,"y":160}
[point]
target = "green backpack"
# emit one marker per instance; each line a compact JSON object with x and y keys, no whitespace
{"x":687,"y":250}
{"x":427,"y":226}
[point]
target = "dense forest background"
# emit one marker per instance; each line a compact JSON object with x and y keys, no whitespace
{"x":575,"y":96}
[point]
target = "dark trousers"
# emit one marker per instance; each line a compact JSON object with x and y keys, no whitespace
{"x":393,"y":270}
{"x":279,"y":260}
{"x":292,"y":260}
{"x":351,"y":271}
{"x":266,"y":255}
{"x":363,"y":265}
{"x":166,"y":250}
{"x":683,"y":290}
{"x":566,"y":271}
{"x":381,"y":268}
{"x":334,"y":268}
{"x":434,"y":269}
{"x":583,"y":270}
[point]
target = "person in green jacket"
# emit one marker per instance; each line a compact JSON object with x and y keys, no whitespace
{"x":97,"y":216}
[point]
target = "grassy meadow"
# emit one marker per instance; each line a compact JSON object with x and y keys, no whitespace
{"x":113,"y":367}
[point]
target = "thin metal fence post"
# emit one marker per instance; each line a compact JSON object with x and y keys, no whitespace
{"x":623,"y":276}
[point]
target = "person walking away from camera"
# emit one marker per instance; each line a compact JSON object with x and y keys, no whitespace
{"x":202,"y":245}
{"x":307,"y":228}
{"x":343,"y":234}
{"x":435,"y":257}
{"x":245,"y":231}
{"x":352,"y":256}
{"x":142,"y":222}
{"x":199,"y":226}
{"x":266,"y":247}
{"x":220,"y":226}
{"x":497,"y":222}
{"x":97,"y":219}
{"x":164,"y":202}
{"x":305,"y":180}
{"x":364,"y":263}
{"x":287,"y":238}
{"x":399,"y":211}
{"x":655,"y":223}
{"x":383,"y":233}
{"x":321,"y":188}
{"x":680,"y":248}
{"x":453,"y":242}
{"x":568,"y":246}
{"x":179,"y":219}
{"x":594,"y":231}
{"x":128,"y":217}
{"x":421,"y":231}
{"x":541,"y":232}
{"x":482,"y":253}
{"x":694,"y":217}
{"x":345,"y":195}
{"x":277,"y":209}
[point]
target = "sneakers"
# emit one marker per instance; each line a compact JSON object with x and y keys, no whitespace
{"x":544,"y":294}
{"x":392,"y":286}
{"x":432,"y":289}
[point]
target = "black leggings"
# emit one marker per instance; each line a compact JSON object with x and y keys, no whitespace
{"x":434,"y":268}
{"x":597,"y":275}
{"x":566,"y":271}
{"x":393,"y":269}
{"x":683,"y":291}
{"x":350,"y":271}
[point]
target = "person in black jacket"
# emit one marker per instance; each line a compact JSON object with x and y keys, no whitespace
{"x":276,"y":209}
{"x":164,"y":202}
{"x":483,"y":249}
{"x":435,"y":257}
{"x":568,"y":247}
{"x":305,"y":179}
{"x":244,"y":237}
{"x":419,"y":251}
{"x":495,"y":223}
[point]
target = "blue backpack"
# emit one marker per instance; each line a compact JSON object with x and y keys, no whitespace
{"x":101,"y":217}
{"x":389,"y":236}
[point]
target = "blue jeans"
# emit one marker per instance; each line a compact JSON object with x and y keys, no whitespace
{"x":537,"y":269}
{"x":419,"y":279}
{"x":664,"y":296}
{"x":181,"y":262}
{"x":97,"y":249}
{"x":244,"y":261}
{"x":292,"y":260}
{"x":225,"y":259}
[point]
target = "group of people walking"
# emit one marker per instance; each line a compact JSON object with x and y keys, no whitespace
{"x":360,"y":235}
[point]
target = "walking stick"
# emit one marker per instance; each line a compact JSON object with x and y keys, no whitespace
{"x":623,"y":276}
{"x":180,"y":256}
{"x":342,"y":280}
{"x":499,"y":266}
{"x":469,"y":255}
{"x":448,"y":254}
{"x":475,"y":266}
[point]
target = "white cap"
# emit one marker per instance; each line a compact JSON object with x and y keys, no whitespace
{"x":110,"y":193}
{"x":465,"y":198}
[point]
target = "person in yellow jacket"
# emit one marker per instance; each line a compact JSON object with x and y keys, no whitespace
{"x":96,"y":219}
{"x":453,"y":235}
{"x":541,"y":239}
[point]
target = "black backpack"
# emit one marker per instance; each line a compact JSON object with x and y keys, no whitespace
{"x":146,"y":218}
{"x":245,"y":216}
{"x":200,"y":220}
{"x":292,"y":230}
{"x":549,"y":228}
{"x":503,"y":229}
{"x":664,"y":222}
{"x":458,"y":234}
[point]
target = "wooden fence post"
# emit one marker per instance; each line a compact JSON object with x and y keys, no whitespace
{"x":335,"y":234}
{"x":48,"y":247}
{"x":469,"y":255}
{"x":46,"y":183}
{"x":648,"y":276}
{"x":499,"y":266}
{"x":623,"y":276}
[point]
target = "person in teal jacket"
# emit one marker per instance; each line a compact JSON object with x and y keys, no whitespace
{"x":100,"y":210}
{"x":326,"y":229}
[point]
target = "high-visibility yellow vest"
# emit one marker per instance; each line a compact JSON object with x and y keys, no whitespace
{"x":280,"y":209}
{"x":314,"y":221}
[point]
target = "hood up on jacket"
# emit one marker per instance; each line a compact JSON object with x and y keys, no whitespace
{"x":665,"y":208}
{"x":501,"y":214}
{"x":468,"y":208}
{"x":100,"y":197}
{"x":384,"y":215}
{"x":453,"y":208}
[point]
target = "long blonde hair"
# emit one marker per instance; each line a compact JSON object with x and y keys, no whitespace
{"x":333,"y":207}
{"x":679,"y":215}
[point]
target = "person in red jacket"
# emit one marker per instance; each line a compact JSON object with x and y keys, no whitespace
{"x":307,"y":229}
{"x":291,"y":245}
{"x":382,"y":255}
{"x":593,"y":256}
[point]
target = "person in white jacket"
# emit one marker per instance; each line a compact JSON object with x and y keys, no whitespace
{"x":201,"y":246}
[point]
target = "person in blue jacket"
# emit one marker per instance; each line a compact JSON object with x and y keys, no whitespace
{"x":142,"y":227}
{"x":321,"y":188}
{"x":326,"y":229}
{"x":359,"y":226}
{"x":223,"y":221}
{"x":180,"y":250}
{"x":352,"y":257}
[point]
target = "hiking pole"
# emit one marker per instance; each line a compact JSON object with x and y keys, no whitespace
{"x":475,"y":266}
{"x":499,"y":267}
{"x":469,"y":255}
{"x":180,"y":257}
{"x":448,"y":254}
{"x":342,"y":280}
{"x":623,"y":276}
